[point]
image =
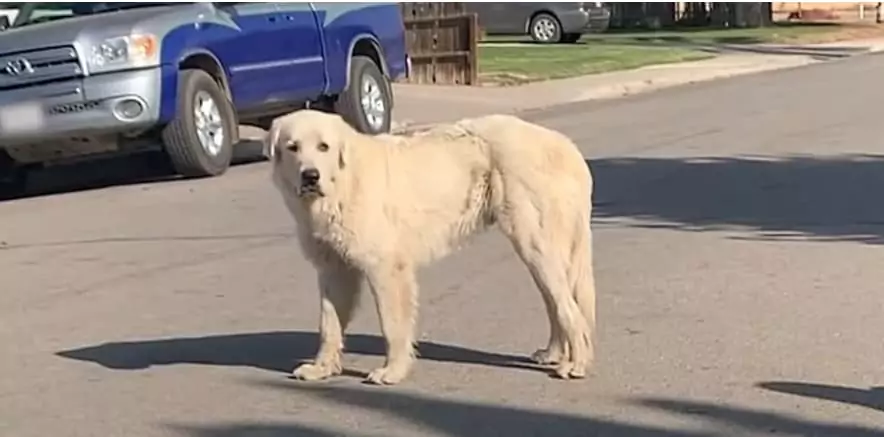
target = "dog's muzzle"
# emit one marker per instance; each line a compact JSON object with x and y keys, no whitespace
{"x":310,"y":182}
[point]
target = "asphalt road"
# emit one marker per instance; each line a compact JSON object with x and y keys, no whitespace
{"x":739,"y":261}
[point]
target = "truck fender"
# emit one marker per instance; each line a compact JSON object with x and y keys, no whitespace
{"x":207,"y":61}
{"x":378,"y":55}
{"x":376,"y":47}
{"x":215,"y":69}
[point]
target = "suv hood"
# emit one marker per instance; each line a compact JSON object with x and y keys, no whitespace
{"x":85,"y":29}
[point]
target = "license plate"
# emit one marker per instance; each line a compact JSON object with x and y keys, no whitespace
{"x":22,"y":118}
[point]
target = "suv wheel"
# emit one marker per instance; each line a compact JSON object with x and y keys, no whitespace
{"x":545,"y":28}
{"x":200,"y":140}
{"x":366,"y":103}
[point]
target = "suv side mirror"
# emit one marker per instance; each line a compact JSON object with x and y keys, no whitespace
{"x":4,"y":22}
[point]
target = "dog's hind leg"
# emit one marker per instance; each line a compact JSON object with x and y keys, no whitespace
{"x":395,"y":292}
{"x":582,"y":282}
{"x":550,"y":270}
{"x":556,"y":348}
{"x":582,"y":277}
{"x":340,"y":287}
{"x":541,"y":249}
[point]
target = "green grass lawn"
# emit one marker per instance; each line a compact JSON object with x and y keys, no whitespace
{"x":513,"y":60}
{"x":777,"y":33}
{"x":515,"y":64}
{"x":782,"y":33}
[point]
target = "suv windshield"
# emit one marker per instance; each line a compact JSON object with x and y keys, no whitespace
{"x":23,"y":14}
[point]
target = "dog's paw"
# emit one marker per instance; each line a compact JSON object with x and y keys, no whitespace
{"x":387,"y":375}
{"x":316,"y":372}
{"x":570,"y":370}
{"x":547,"y":357}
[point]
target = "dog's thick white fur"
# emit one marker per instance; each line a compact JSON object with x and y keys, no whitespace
{"x":386,"y":205}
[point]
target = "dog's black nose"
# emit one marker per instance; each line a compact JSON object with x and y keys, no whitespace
{"x":310,"y":176}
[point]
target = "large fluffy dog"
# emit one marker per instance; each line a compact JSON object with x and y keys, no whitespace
{"x":377,"y":208}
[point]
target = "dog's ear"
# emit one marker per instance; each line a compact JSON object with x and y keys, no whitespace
{"x":270,"y":140}
{"x":342,"y":154}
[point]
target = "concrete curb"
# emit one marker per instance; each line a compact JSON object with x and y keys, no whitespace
{"x":575,"y":90}
{"x":458,"y":102}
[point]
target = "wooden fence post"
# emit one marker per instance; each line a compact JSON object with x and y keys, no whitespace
{"x":442,"y":41}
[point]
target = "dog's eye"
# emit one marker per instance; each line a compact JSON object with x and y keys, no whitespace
{"x":294,"y":147}
{"x":322,"y":147}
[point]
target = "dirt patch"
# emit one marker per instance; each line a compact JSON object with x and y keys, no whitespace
{"x":843,"y":32}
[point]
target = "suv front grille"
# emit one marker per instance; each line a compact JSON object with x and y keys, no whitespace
{"x":39,"y":66}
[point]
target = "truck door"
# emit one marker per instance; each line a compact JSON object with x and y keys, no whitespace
{"x":305,"y":75}
{"x":252,"y":56}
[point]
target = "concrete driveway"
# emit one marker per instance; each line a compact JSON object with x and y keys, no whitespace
{"x":739,"y":229}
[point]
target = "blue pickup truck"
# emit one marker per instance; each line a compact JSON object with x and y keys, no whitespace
{"x":82,"y":80}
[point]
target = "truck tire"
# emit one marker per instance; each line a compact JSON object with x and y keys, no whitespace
{"x":199,"y":141}
{"x":366,"y":103}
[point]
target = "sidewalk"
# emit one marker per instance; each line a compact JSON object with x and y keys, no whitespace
{"x":420,"y":104}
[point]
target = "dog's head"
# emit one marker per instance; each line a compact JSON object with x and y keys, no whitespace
{"x":308,"y":151}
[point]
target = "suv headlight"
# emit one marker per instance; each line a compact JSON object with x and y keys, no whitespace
{"x":124,"y":52}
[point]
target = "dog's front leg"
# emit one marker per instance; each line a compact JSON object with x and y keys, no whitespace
{"x":395,"y":293}
{"x":340,"y":287}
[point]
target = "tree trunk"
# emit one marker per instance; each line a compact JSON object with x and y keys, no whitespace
{"x":696,"y":14}
{"x":742,"y":15}
{"x":719,"y":16}
{"x":754,"y":14}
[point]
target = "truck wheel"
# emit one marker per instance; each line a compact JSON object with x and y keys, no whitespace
{"x":199,"y":141}
{"x":365,"y":104}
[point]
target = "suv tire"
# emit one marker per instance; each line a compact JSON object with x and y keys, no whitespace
{"x":545,"y":29}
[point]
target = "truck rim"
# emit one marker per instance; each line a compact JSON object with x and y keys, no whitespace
{"x":373,"y":103}
{"x":209,"y":125}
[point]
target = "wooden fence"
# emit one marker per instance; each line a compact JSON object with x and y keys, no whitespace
{"x":441,"y":40}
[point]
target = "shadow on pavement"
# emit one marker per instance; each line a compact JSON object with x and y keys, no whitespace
{"x":758,"y":422}
{"x":434,"y":416}
{"x":273,"y":351}
{"x":467,"y":419}
{"x":797,"y":198}
{"x":146,"y":167}
{"x":872,"y":398}
{"x":159,"y":238}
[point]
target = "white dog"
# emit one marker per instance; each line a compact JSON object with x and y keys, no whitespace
{"x":377,"y":208}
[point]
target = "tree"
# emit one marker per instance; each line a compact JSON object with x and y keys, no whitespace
{"x":741,"y":15}
{"x":695,"y":14}
{"x":755,"y":14}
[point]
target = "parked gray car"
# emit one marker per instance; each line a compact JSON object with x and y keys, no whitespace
{"x":543,"y":22}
